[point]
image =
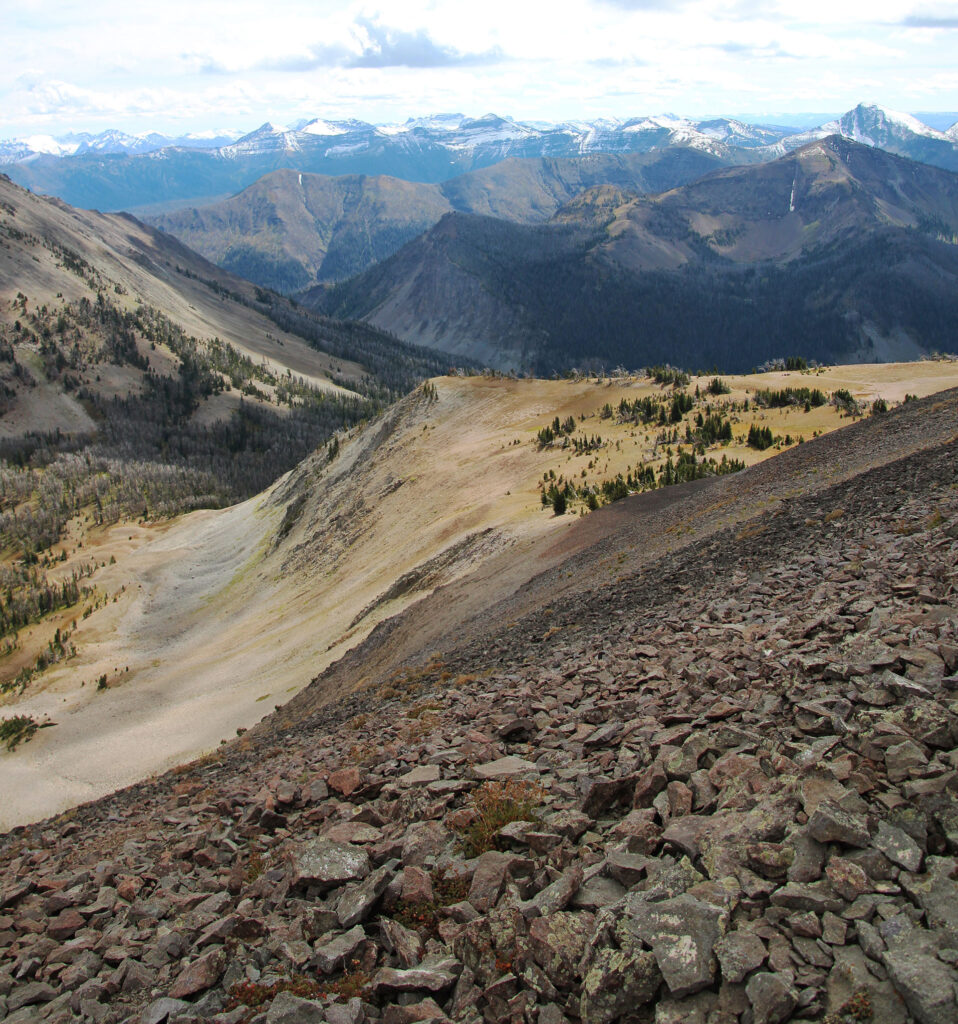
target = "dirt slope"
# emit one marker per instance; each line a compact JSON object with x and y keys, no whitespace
{"x":615,"y":542}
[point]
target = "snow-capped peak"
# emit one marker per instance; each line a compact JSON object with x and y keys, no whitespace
{"x":874,"y":126}
{"x":318,"y":126}
{"x":871,"y":125}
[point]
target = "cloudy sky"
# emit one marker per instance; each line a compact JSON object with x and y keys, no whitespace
{"x":188,"y":65}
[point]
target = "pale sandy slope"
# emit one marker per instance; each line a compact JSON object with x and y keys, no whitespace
{"x":222,"y":618}
{"x":217,"y":626}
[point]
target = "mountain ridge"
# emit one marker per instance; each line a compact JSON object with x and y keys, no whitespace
{"x":792,"y":670}
{"x":290,"y":229}
{"x":433,"y":150}
{"x":640,"y":274}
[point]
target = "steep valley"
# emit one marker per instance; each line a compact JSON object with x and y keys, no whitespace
{"x":203,"y":624}
{"x":289,"y":230}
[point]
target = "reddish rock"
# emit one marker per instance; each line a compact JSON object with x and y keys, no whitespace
{"x":200,"y":975}
{"x":847,"y":878}
{"x":65,"y":925}
{"x":417,"y":885}
{"x":345,"y":781}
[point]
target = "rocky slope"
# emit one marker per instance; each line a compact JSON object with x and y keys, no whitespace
{"x":733,"y":774}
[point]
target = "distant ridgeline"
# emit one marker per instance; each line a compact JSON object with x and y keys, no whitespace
{"x":837,"y":251}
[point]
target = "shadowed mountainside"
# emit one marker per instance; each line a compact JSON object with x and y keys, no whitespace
{"x":838,"y":251}
{"x":290,"y":229}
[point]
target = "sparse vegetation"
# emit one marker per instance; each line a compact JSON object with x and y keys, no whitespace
{"x":19,"y":729}
{"x":496,"y":804}
{"x":845,"y":402}
{"x":424,"y":916}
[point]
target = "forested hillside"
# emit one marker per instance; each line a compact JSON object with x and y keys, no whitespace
{"x":138,"y":381}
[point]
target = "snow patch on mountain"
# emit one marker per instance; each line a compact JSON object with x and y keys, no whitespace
{"x":492,"y":137}
{"x":318,"y":126}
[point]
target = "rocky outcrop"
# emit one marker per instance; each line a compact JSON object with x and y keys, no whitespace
{"x":734,"y":798}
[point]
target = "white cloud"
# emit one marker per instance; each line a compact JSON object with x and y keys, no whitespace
{"x":182,"y":64}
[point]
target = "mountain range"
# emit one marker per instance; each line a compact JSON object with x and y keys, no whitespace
{"x":110,"y":141}
{"x":111,"y":174}
{"x":837,"y":251}
{"x":290,"y":229}
{"x":610,"y":698}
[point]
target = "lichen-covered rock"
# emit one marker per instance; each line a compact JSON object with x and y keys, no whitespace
{"x":325,"y":863}
{"x":161,"y":1010}
{"x":897,"y":846}
{"x":434,"y":974}
{"x":739,"y":953}
{"x":289,"y":1009}
{"x":357,"y":901}
{"x":618,"y":983}
{"x":847,"y":878}
{"x":332,"y":956}
{"x":558,"y":943}
{"x":832,"y":824}
{"x":850,"y":979}
{"x":683,"y":933}
{"x":925,"y":983}
{"x":772,"y":998}
{"x":936,"y":892}
{"x":504,"y":768}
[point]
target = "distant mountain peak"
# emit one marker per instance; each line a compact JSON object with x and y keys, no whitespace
{"x":870,"y":123}
{"x":430,"y":148}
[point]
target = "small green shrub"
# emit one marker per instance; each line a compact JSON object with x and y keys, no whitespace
{"x":423,"y":917}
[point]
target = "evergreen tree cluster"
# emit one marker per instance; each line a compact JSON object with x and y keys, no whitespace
{"x":782,"y":398}
{"x":26,"y":595}
{"x":712,"y":429}
{"x":760,"y":438}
